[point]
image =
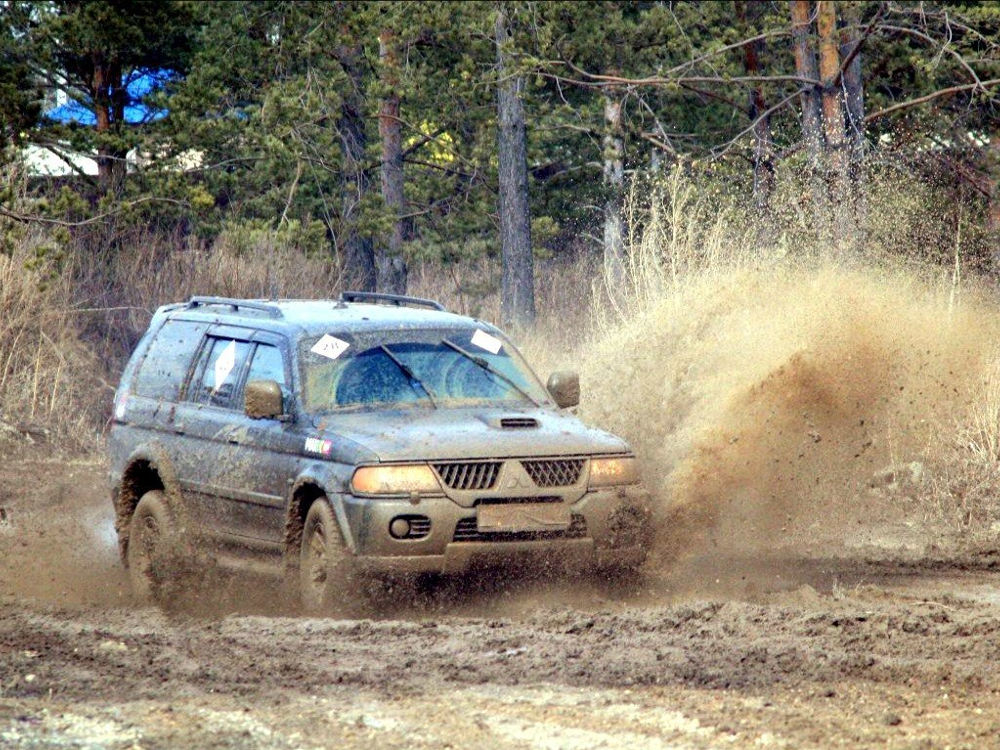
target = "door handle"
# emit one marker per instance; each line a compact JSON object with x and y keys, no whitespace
{"x":179,"y":428}
{"x":233,"y":438}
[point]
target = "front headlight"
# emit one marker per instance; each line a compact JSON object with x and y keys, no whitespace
{"x":394,"y":480}
{"x":606,"y":472}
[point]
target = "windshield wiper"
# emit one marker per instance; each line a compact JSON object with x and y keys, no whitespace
{"x":490,"y":369}
{"x":413,"y":379}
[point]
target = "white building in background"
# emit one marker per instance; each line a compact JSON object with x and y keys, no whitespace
{"x":46,"y":162}
{"x":63,"y":162}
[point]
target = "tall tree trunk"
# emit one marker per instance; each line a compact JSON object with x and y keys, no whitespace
{"x":805,"y":66}
{"x":614,"y":182}
{"x":993,"y":208}
{"x":853,"y":87}
{"x":108,"y":95}
{"x":833,"y":119}
{"x":359,"y":254}
{"x":763,"y":153}
{"x":390,"y":265}
{"x":854,"y":100}
{"x":517,"y":296}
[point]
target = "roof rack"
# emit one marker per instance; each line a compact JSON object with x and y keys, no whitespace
{"x":395,"y":299}
{"x":272,"y":311}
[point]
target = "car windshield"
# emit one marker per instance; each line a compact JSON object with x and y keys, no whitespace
{"x":414,"y":367}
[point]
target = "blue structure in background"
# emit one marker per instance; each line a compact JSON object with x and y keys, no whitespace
{"x":141,"y":83}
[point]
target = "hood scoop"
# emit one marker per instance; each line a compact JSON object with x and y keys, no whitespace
{"x":518,"y":422}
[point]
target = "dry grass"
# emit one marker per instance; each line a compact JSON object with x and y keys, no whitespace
{"x":50,"y":382}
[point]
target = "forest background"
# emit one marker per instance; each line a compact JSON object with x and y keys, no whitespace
{"x":557,"y":167}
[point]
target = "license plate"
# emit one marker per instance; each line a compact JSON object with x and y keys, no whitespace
{"x":523,"y":517}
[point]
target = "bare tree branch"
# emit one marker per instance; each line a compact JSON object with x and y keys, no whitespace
{"x":934,"y":95}
{"x":721,"y":150}
{"x":28,"y":219}
{"x":599,"y":80}
{"x":930,"y":40}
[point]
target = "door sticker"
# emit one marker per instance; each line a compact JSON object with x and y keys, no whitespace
{"x":484,"y":341}
{"x":316,"y":445}
{"x":329,"y":346}
{"x":225,"y":364}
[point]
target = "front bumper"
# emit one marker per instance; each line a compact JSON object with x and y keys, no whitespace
{"x":611,"y":528}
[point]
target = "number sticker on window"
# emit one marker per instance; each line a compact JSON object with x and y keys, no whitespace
{"x":329,"y":346}
{"x":484,"y":341}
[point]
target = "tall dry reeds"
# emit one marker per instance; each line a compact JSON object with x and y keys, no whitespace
{"x":51,"y":383}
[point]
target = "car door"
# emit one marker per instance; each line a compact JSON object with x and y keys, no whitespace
{"x":203,"y":423}
{"x":262,"y":454}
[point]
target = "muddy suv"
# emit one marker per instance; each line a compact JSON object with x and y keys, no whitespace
{"x":322,"y":439}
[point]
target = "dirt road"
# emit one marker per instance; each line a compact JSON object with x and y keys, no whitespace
{"x":890,"y":641}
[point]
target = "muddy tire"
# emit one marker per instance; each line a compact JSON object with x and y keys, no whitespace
{"x":324,"y":562}
{"x":151,"y":533}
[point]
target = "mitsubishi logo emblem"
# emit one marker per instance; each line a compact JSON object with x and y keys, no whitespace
{"x":515,"y":482}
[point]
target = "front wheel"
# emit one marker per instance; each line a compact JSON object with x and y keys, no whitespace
{"x":151,"y":532}
{"x":324,"y":562}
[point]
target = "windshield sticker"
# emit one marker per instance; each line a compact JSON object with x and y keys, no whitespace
{"x":329,"y":346}
{"x":316,"y":445}
{"x":484,"y":341}
{"x":225,"y":364}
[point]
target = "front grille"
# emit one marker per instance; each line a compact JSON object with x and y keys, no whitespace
{"x":475,"y":475}
{"x":467,"y":531}
{"x":560,"y":472}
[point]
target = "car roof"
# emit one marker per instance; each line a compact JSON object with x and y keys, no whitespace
{"x":315,"y":316}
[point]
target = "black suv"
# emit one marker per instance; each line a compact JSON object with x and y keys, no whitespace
{"x":374,"y":433}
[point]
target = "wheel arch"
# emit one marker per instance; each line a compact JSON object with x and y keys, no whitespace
{"x":305,"y":492}
{"x":146,"y":469}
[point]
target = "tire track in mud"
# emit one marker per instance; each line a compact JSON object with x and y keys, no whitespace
{"x":794,"y":637}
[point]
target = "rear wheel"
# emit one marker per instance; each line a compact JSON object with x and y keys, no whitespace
{"x":151,"y":532}
{"x":324,"y":562}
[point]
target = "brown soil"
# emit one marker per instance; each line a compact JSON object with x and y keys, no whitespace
{"x":878,"y":639}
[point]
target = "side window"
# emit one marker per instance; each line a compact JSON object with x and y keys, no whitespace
{"x":267,"y":365}
{"x":219,"y":371}
{"x":166,"y":364}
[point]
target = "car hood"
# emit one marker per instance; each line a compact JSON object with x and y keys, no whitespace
{"x":468,"y":433}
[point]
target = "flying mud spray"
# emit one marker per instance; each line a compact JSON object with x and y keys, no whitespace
{"x":770,"y":406}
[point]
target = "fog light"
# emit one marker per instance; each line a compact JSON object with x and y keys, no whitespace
{"x":399,"y":528}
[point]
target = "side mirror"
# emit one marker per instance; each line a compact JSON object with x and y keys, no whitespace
{"x":262,"y":400}
{"x":564,"y":387}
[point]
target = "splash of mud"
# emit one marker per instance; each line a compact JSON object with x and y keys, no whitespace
{"x":58,"y":542}
{"x":766,"y":401}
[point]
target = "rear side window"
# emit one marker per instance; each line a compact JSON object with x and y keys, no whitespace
{"x":166,"y":364}
{"x":219,"y":371}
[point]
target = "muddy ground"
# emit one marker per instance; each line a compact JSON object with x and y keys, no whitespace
{"x":886,"y":634}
